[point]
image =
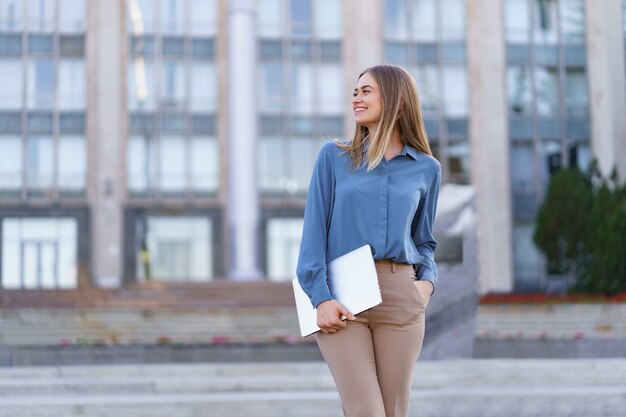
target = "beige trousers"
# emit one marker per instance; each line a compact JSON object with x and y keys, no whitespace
{"x":373,"y":358}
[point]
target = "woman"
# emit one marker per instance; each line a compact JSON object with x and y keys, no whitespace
{"x":379,"y":189}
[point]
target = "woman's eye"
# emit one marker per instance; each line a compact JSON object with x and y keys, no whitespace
{"x":354,"y":94}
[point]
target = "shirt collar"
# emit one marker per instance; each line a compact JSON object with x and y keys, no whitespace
{"x":406,"y":150}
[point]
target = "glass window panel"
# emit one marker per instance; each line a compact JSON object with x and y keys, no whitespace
{"x":11,"y":85}
{"x":141,"y":164}
{"x":72,"y":16}
{"x":453,"y":51}
{"x":527,"y":259}
{"x":269,"y":16}
{"x":67,"y":254}
{"x":141,"y":45}
{"x":459,"y":162}
{"x":549,"y":128}
{"x":578,"y":127}
{"x":173,"y":88}
{"x":10,"y":162}
{"x":72,"y":123}
{"x":271,"y":125}
{"x":328,"y":19}
{"x":546,"y":55}
{"x":519,"y":90}
{"x":10,"y":122}
{"x":331,"y":126}
{"x":423,"y":20}
{"x":203,"y":95}
{"x":551,"y":159}
{"x":141,"y":16}
{"x":432,"y":128}
{"x":271,"y":170}
{"x":172,"y":16}
{"x":580,"y":156}
{"x":523,"y":165}
{"x":453,"y":22}
{"x":525,"y":204}
{"x":517,"y":20}
{"x":10,"y":45}
{"x":203,"y":48}
{"x":331,"y":80}
{"x":300,"y":17}
{"x":142,"y":124}
{"x":11,"y":15}
{"x":521,"y":128}
{"x":544,"y":21}
{"x":203,"y":124}
{"x":271,"y":86}
{"x":72,"y":163}
{"x":72,"y":45}
{"x":72,"y":84}
{"x":575,"y":56}
{"x":572,"y":16}
{"x":40,"y":162}
{"x":457,"y":127}
{"x":41,"y":15}
{"x":271,"y":49}
{"x":427,"y":52}
{"x":203,"y":17}
{"x":302,"y":125}
{"x":174,"y":123}
{"x":40,"y":44}
{"x":301,"y":51}
{"x":395,"y":20}
{"x":141,"y":84}
{"x":40,"y":84}
{"x":283,"y":244}
{"x":396,"y":53}
{"x":302,"y":88}
{"x":179,"y":249}
{"x":547,"y":85}
{"x":517,"y":54}
{"x":455,"y":90}
{"x":301,"y":162}
{"x":427,"y":79}
{"x":173,"y":46}
{"x":204,"y":164}
{"x":39,"y":123}
{"x":576,"y":92}
{"x":173,"y":160}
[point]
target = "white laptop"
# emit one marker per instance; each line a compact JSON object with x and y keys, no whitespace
{"x":353,"y":282}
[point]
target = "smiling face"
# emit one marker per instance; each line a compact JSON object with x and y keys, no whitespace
{"x":367,"y":102}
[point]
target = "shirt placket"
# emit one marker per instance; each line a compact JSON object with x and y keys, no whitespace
{"x":383,"y":190}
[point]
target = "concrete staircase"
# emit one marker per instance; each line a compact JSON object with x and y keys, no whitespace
{"x":456,"y":388}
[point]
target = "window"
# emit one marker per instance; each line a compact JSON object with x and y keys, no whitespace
{"x":174,"y":248}
{"x":427,"y":37}
{"x":283,"y":243}
{"x":43,"y":253}
{"x":299,"y":44}
{"x":172,"y":96}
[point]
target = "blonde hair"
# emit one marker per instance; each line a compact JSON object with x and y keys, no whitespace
{"x":400,"y":105}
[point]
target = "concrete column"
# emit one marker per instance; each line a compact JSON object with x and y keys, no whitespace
{"x":106,"y":131}
{"x":607,"y":83}
{"x":362,"y":45}
{"x":243,"y":200}
{"x":490,"y":143}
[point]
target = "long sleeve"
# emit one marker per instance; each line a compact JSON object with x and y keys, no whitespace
{"x":423,"y":235}
{"x":311,"y":268}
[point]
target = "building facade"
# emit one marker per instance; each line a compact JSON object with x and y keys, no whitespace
{"x":172,"y":140}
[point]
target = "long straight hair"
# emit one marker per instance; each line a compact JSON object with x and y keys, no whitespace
{"x":401,"y":106}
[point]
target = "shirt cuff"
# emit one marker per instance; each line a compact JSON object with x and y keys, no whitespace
{"x":320,"y":295}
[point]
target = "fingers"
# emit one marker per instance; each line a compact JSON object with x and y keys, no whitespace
{"x":329,"y":316}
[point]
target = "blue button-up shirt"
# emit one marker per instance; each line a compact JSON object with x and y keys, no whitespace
{"x":391,"y":208}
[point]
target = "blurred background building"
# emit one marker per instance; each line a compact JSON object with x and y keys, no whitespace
{"x":172,"y":140}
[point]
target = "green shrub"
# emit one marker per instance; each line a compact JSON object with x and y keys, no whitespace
{"x":581,"y":229}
